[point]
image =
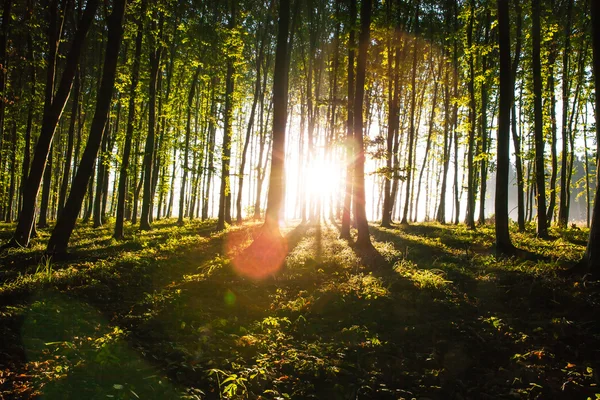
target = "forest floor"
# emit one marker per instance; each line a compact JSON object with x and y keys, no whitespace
{"x":431,"y":313}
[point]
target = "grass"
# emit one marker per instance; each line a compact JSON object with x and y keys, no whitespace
{"x":431,"y":314}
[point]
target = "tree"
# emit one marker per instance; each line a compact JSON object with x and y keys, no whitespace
{"x":225,"y":193}
{"x":363,"y":239}
{"x":542,"y":227}
{"x":66,"y":222}
{"x":266,"y":254}
{"x":186,"y":155}
{"x":503,"y":243}
{"x":345,"y":229}
{"x":125,"y":160}
{"x":591,"y":257}
{"x":149,"y":148}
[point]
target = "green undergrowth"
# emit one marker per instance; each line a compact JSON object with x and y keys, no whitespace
{"x":429,"y":313}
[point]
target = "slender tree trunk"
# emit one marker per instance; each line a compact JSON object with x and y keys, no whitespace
{"x":428,"y":145}
{"x":591,"y":257}
{"x":503,"y":243}
{"x":363,"y":240}
{"x":66,"y":222}
{"x":345,"y":229}
{"x":411,"y":134}
{"x":563,"y":210}
{"x":515,"y":135}
{"x":553,"y":153}
{"x":149,"y":149}
{"x":225,"y":192}
{"x":43,"y":217}
{"x":542,"y":227}
{"x":210,"y":149}
{"x":124,"y":171}
{"x":71,"y":139}
{"x":249,"y":132}
{"x":470,"y":217}
{"x":483,"y":166}
{"x":186,"y":151}
{"x":13,"y":169}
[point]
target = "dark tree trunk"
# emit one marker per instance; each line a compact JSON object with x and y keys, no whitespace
{"x":46,"y":188}
{"x":345,"y":229}
{"x":393,"y":120}
{"x":70,"y":143}
{"x":276,"y":178}
{"x":411,"y":133}
{"x":553,"y":153}
{"x":225,"y":192}
{"x":210,"y":150}
{"x":483,"y":167}
{"x":27,"y":148}
{"x":515,"y":135}
{"x":123,"y":173}
{"x":249,"y":131}
{"x":149,"y":148}
{"x":13,"y":169}
{"x":591,"y":258}
{"x":66,"y":222}
{"x":563,"y":210}
{"x":542,"y":227}
{"x":470,"y":217}
{"x":6,"y":19}
{"x":363,"y":239}
{"x":97,"y":214}
{"x":503,"y":243}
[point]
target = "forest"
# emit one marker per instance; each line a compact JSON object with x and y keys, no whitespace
{"x":292,"y":199}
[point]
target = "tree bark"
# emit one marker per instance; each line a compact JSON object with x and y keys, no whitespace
{"x":363,"y":239}
{"x":503,"y":243}
{"x":345,"y":228}
{"x":591,"y":257}
{"x":276,"y":178}
{"x":542,"y":227}
{"x":149,"y":148}
{"x":411,"y":133}
{"x":124,"y":171}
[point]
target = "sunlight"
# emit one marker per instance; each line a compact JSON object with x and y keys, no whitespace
{"x":321,"y":179}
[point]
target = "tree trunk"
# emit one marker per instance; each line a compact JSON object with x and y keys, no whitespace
{"x":124,"y":171}
{"x":470,"y":217}
{"x":515,"y":135}
{"x":345,"y":229}
{"x":43,"y":217}
{"x":149,"y":148}
{"x":411,"y":133}
{"x":563,"y":210}
{"x":503,"y":243}
{"x":13,"y":169}
{"x":277,"y":177}
{"x":542,"y":227}
{"x":363,"y":240}
{"x":225,"y":192}
{"x":66,"y":222}
{"x":249,"y":131}
{"x":591,"y":257}
{"x":186,"y":151}
{"x":71,"y":139}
